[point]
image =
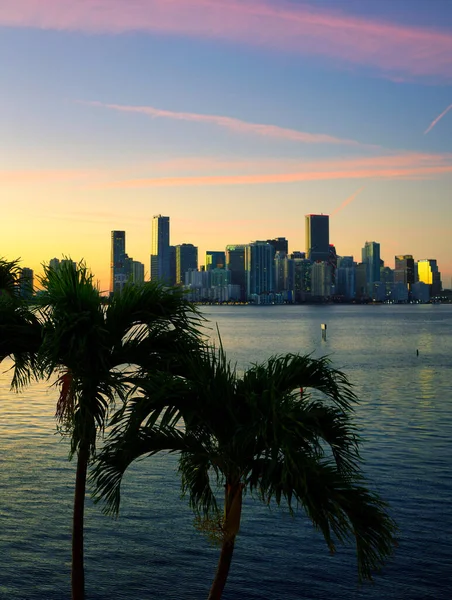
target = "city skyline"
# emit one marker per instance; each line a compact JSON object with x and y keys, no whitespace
{"x":170,"y":263}
{"x":254,"y":115}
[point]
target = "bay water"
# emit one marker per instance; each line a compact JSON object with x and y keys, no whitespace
{"x":153,"y":550}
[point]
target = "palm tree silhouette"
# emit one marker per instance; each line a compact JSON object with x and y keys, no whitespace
{"x":255,"y":432}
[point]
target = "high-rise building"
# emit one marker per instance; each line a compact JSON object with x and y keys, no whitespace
{"x":160,"y":249}
{"x":259,"y":267}
{"x":186,"y":258}
{"x":26,"y":278}
{"x":280,"y":244}
{"x":371,"y":258}
{"x":136,"y":270}
{"x":404,"y":271}
{"x":302,"y":276}
{"x":317,"y":237}
{"x":428,"y":273}
{"x":56,"y":263}
{"x":345,"y":277}
{"x":284,"y":278}
{"x":118,"y":260}
{"x":215,"y":259}
{"x":321,"y":279}
{"x":235,"y":262}
{"x":361,"y":287}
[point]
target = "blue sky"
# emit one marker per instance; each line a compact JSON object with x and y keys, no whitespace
{"x":87,"y":149}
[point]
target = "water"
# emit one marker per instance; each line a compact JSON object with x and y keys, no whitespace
{"x":153,"y":551}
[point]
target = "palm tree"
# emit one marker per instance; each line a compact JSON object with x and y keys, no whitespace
{"x":20,"y":329}
{"x":260,"y":433}
{"x":96,"y":350}
{"x":9,"y":276}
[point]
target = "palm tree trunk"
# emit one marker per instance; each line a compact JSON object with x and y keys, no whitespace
{"x":78,"y":572}
{"x":233,"y":512}
{"x":221,"y":575}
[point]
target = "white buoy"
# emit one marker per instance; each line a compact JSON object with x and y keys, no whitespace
{"x":323,"y":328}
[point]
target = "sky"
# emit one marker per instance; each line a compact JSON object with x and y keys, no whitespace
{"x":235,"y":118}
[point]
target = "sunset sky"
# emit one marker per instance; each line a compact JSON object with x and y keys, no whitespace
{"x":234,"y":117}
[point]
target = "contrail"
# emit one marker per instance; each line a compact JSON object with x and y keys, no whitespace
{"x":347,"y":202}
{"x":432,"y":125}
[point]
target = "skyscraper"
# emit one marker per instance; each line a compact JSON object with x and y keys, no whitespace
{"x":371,"y":258}
{"x":215,"y":259}
{"x":118,"y":267}
{"x":428,"y":273}
{"x":259,"y":267}
{"x":235,"y":262}
{"x":317,"y":237}
{"x":26,"y":279}
{"x":404,"y":270}
{"x":280,"y":244}
{"x":186,"y":258}
{"x":160,"y":249}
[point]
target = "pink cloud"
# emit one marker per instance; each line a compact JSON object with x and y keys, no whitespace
{"x":398,"y":51}
{"x":232,"y":124}
{"x":438,"y":118}
{"x":179,"y":165}
{"x":405,"y":166}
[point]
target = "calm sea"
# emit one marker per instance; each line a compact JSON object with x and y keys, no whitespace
{"x":153,"y":551}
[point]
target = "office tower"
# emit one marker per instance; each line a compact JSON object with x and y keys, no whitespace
{"x":428,"y":273}
{"x":219,"y":277}
{"x":284,"y":274}
{"x":302,"y":276}
{"x":172,"y":265}
{"x":26,"y":278}
{"x":160,"y":249}
{"x":235,"y":262}
{"x":259,"y":267}
{"x":387,"y":279}
{"x":280,"y":244}
{"x":136,"y":270}
{"x":404,"y":270}
{"x":317,"y":237}
{"x":56,"y":263}
{"x":186,"y":258}
{"x":332,"y":260}
{"x":345,"y":277}
{"x":118,"y":268}
{"x":371,"y":258}
{"x":215,"y":259}
{"x":321,"y":279}
{"x":361,"y":289}
{"x":420,"y":292}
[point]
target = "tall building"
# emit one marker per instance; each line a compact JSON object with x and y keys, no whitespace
{"x":172,"y":265}
{"x":361,"y":287}
{"x":56,"y":263}
{"x":118,"y":261}
{"x":215,"y":259}
{"x":428,"y":273}
{"x":186,"y":258}
{"x":259,"y":267}
{"x":235,"y":262}
{"x":321,"y":279}
{"x":371,"y":258}
{"x":26,"y":278}
{"x":160,"y":249}
{"x":345,"y":277}
{"x":136,"y":270}
{"x":302,"y":276}
{"x":404,"y":271}
{"x":280,"y":244}
{"x":317,"y":237}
